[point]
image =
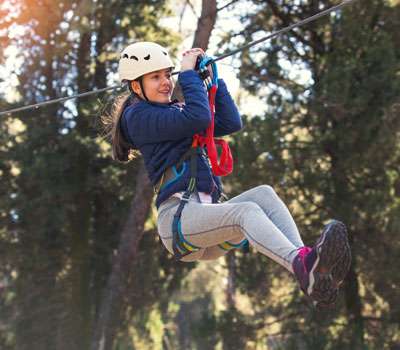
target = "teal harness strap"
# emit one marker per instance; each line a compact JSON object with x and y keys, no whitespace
{"x":229,"y":246}
{"x":180,"y":246}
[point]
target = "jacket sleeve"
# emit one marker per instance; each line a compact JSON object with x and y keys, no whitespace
{"x":151,"y":123}
{"x":227,"y":119}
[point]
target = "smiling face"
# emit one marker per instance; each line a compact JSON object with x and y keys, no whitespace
{"x":158,"y":86}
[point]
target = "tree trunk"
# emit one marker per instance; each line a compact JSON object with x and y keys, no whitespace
{"x":205,"y":24}
{"x":342,"y":208}
{"x":132,"y":232}
{"x":36,"y":293}
{"x":231,"y":286}
{"x":77,"y":328}
{"x":354,"y":307}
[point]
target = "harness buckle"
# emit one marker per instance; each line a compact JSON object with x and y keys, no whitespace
{"x":185,"y":197}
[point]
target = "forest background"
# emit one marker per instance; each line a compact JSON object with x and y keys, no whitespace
{"x":81,"y":265}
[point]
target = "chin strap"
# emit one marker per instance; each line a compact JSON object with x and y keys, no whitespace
{"x":141,"y":86}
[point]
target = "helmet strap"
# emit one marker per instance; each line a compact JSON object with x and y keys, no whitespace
{"x":131,"y":88}
{"x":141,"y":87}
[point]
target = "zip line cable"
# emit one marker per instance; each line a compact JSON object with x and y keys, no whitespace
{"x":286,"y":29}
{"x":283,"y":30}
{"x":61,"y":99}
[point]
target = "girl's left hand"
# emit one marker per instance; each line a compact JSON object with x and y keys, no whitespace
{"x":189,"y":58}
{"x":199,"y":51}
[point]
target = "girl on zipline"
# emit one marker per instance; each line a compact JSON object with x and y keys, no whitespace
{"x":193,"y":223}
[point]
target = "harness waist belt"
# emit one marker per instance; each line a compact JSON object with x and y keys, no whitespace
{"x":169,"y":175}
{"x":203,"y":196}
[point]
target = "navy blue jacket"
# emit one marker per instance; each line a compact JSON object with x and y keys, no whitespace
{"x":163,"y":133}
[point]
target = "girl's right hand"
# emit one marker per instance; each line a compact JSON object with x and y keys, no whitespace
{"x":189,"y":58}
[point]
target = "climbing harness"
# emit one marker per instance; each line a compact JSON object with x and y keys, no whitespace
{"x":181,"y":247}
{"x":281,"y":31}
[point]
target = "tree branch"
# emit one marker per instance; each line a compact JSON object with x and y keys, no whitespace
{"x":227,"y":5}
{"x":205,"y":24}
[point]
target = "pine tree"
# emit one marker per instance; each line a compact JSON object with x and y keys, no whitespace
{"x":329,"y":146}
{"x":64,"y":196}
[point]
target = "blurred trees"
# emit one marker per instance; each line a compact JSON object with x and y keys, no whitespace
{"x":327,"y":142}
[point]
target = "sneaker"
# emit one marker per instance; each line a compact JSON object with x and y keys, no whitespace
{"x":321,"y":270}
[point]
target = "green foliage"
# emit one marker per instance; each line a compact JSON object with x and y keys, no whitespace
{"x":329,"y":146}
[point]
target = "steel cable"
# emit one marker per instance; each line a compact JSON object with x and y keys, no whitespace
{"x":272,"y":35}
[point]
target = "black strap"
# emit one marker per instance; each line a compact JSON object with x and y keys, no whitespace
{"x":179,"y":249}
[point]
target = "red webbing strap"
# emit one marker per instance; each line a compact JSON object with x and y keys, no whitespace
{"x":225,"y":165}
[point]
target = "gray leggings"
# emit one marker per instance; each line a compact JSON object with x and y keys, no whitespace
{"x":257,"y":214}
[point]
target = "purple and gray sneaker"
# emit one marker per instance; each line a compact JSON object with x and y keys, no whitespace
{"x":321,"y":270}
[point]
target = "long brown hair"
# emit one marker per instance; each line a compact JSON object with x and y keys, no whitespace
{"x":122,"y":150}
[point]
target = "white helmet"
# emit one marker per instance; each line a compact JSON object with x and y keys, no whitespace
{"x":141,"y":58}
